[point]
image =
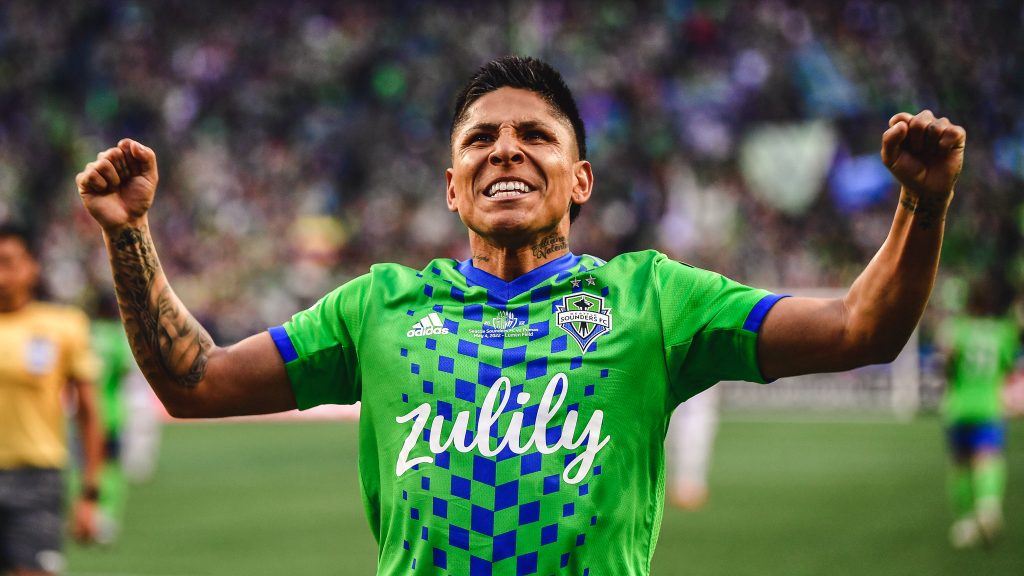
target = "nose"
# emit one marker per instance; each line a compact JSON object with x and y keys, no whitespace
{"x":506,"y":150}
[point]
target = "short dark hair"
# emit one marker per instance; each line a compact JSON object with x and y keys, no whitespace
{"x":20,"y":233}
{"x":529,"y":74}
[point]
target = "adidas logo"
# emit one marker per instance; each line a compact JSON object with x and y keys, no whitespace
{"x":430,"y":325}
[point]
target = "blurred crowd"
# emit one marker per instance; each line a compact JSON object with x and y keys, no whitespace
{"x":299,"y":142}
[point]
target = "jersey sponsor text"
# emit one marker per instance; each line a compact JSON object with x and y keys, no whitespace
{"x":497,"y":398}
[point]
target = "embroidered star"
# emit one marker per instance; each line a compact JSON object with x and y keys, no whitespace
{"x":575,"y":283}
{"x":591,"y":281}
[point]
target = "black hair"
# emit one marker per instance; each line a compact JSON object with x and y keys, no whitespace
{"x":20,"y":233}
{"x":529,"y":74}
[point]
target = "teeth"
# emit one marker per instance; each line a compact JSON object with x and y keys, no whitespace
{"x":508,"y":188}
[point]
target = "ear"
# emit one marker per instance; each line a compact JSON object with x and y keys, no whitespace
{"x":453,"y":205}
{"x":583,"y":182}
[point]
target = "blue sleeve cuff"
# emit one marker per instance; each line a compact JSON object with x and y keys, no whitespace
{"x":284,"y":343}
{"x":758,"y":312}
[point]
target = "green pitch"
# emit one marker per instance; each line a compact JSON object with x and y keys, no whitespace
{"x":787,"y":498}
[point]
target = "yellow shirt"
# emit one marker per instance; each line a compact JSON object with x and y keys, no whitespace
{"x":42,"y":346}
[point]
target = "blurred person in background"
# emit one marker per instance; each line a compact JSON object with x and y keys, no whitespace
{"x":523,"y":309}
{"x":688,"y":446}
{"x":981,"y":346}
{"x":46,"y":359}
{"x":125,"y":418}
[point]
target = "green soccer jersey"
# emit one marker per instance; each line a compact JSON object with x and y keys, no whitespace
{"x":982,"y":352}
{"x":116,"y":362}
{"x":512,"y":428}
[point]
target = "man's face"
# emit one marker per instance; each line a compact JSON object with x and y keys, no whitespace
{"x":18,"y":273}
{"x":515,"y":169}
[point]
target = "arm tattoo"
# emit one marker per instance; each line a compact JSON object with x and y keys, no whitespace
{"x":167,"y":340}
{"x":927,"y":214}
{"x":549,"y":244}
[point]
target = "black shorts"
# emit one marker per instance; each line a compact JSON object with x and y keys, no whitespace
{"x":31,"y":514}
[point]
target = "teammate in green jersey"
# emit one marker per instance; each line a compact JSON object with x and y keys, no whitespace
{"x":130,"y":425}
{"x":514,"y":405}
{"x":980,"y":347}
{"x":108,"y":336}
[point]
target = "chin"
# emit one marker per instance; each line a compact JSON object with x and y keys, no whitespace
{"x":512,"y":226}
{"x":509,"y":228}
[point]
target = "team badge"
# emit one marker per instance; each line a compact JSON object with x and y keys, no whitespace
{"x":584,"y":317}
{"x":40,"y":355}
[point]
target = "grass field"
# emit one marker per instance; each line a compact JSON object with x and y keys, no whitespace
{"x":788,"y":498}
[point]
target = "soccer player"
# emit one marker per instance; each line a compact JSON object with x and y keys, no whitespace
{"x":126,"y":416}
{"x":514,"y":405}
{"x":981,"y":347}
{"x":45,"y":352}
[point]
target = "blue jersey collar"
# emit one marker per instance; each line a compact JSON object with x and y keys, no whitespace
{"x":509,"y":290}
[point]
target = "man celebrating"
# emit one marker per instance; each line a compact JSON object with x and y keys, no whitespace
{"x":514,"y":405}
{"x":45,"y":351}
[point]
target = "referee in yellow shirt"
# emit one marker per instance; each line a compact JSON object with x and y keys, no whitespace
{"x":45,"y":359}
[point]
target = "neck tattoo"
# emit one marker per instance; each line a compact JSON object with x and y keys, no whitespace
{"x":550,"y":244}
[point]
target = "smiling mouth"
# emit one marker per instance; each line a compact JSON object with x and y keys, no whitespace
{"x":508,"y":189}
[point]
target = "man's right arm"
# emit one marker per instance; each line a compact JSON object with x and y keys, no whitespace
{"x":191,"y":375}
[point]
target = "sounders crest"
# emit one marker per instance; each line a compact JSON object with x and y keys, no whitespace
{"x":584,"y":317}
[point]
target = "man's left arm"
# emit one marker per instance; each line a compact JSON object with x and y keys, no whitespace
{"x":872,"y":323}
{"x":90,"y":434}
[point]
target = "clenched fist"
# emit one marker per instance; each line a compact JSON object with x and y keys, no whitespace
{"x":925,"y":154}
{"x":118,"y":188}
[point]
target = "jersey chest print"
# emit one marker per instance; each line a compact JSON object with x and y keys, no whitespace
{"x":516,"y":428}
{"x":502,"y":414}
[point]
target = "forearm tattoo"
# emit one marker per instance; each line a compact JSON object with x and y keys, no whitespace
{"x":167,"y":340}
{"x":927,"y":214}
{"x":549,"y":244}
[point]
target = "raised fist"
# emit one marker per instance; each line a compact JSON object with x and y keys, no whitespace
{"x":118,"y":188}
{"x":924,"y":153}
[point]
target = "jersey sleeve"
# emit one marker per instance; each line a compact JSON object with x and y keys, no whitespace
{"x":710,"y":326}
{"x":318,"y":346}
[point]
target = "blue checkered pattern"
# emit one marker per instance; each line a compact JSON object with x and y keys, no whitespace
{"x":501,"y":514}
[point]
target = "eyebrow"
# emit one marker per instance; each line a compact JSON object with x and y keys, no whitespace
{"x":519,"y":126}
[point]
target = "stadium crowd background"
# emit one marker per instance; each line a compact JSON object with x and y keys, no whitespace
{"x":299,"y":142}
